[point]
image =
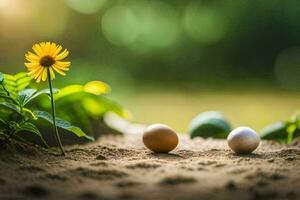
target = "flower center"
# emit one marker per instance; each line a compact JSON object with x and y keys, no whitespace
{"x":47,"y":61}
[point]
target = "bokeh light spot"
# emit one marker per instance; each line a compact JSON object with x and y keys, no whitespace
{"x":287,"y":68}
{"x":158,"y":24}
{"x":49,"y":24}
{"x":204,"y":24}
{"x":14,"y":9}
{"x":141,"y":24}
{"x":120,"y":25}
{"x":85,"y":6}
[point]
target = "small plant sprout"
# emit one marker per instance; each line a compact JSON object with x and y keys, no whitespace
{"x":283,"y":131}
{"x":47,"y":59}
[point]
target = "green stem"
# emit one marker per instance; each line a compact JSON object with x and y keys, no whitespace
{"x":290,"y":137}
{"x":57,"y":137}
{"x":291,"y":130}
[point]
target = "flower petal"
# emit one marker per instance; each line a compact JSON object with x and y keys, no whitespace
{"x":62,"y":55}
{"x":57,"y":50}
{"x":44,"y":76}
{"x":31,"y":57}
{"x":47,"y":48}
{"x":42,"y":45}
{"x":38,"y":73}
{"x":32,"y":65}
{"x":34,"y":71}
{"x":39,"y":79}
{"x":64,"y":64}
{"x":52,"y":74}
{"x":59,"y":70}
{"x":37,"y":48}
{"x":52,"y":49}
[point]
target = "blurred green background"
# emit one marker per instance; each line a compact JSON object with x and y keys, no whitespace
{"x":168,"y":60}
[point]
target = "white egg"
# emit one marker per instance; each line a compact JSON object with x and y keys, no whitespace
{"x":243,"y":140}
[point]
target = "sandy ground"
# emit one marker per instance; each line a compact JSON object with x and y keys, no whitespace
{"x":120,"y":167}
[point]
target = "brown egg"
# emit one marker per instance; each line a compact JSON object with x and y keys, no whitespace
{"x":160,"y":138}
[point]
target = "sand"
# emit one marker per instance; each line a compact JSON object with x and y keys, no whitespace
{"x":120,"y":167}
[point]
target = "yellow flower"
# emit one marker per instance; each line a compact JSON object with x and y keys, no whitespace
{"x":47,"y":55}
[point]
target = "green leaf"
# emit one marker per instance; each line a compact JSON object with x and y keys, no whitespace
{"x":10,"y":106}
{"x":283,"y":132}
{"x":15,"y":83}
{"x":44,"y":91}
{"x":5,"y":96}
{"x":291,"y":130}
{"x":29,"y":127}
{"x":99,"y":105}
{"x":276,"y":131}
{"x":296,"y":119}
{"x":3,"y":92}
{"x":69,"y":90}
{"x":25,"y":95}
{"x":62,"y":124}
{"x":1,"y":77}
{"x":3,"y":121}
{"x":28,"y":113}
{"x":94,"y":87}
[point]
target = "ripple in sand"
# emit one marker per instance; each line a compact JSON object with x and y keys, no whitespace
{"x":237,"y":171}
{"x":100,"y":157}
{"x":187,"y":168}
{"x":31,"y":168}
{"x":207,"y":162}
{"x":2,"y":181}
{"x":284,"y":153}
{"x":125,"y":184}
{"x":105,"y":174}
{"x":290,"y":158}
{"x":218,"y":165}
{"x":126,"y":196}
{"x":89,"y":195}
{"x":261,"y":183}
{"x":201,"y":169}
{"x":259,"y":195}
{"x":177,"y":180}
{"x":265,"y":175}
{"x":143,"y":165}
{"x":54,"y":177}
{"x":99,"y":164}
{"x":231,"y":185}
{"x":35,"y":191}
{"x":114,"y":152}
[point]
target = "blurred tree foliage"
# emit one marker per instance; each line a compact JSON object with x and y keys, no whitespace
{"x":207,"y":42}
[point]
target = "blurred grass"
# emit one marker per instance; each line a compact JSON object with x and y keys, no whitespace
{"x":177,"y":108}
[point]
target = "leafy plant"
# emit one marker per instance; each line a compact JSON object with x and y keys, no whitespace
{"x":17,"y":117}
{"x":284,"y":131}
{"x":88,"y":104}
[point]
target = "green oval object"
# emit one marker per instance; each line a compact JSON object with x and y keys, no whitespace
{"x":209,"y":124}
{"x":276,"y":131}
